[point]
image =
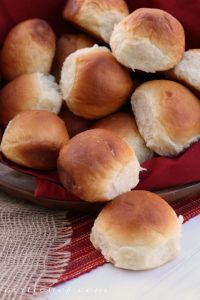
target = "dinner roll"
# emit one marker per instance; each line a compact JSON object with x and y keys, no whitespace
{"x":96,"y":165}
{"x":29,"y":47}
{"x":74,"y":124}
{"x":187,"y":71}
{"x":124,"y":125}
{"x":93,"y":83}
{"x":137,"y":231}
{"x":33,"y":139}
{"x":67,"y":44}
{"x":34,"y":91}
{"x":167,"y":115}
{"x":149,"y":40}
{"x":97,"y":17}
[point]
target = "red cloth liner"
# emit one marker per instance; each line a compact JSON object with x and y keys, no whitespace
{"x":51,"y":190}
{"x":84,"y":257}
{"x":161,"y":173}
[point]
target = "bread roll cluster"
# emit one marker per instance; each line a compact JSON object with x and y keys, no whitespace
{"x":110,"y":122}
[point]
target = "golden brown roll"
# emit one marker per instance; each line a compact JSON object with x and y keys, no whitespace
{"x":34,"y":91}
{"x":33,"y":139}
{"x":74,"y":124}
{"x":187,"y":71}
{"x":149,"y":40}
{"x":98,"y":17}
{"x":67,"y":44}
{"x":29,"y":47}
{"x":96,"y":165}
{"x":93,"y":83}
{"x":124,"y":125}
{"x":167,"y":115}
{"x":137,"y":231}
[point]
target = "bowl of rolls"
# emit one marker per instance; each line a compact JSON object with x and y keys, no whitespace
{"x":95,"y":107}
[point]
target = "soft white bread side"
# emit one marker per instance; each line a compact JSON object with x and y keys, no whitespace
{"x":34,"y":91}
{"x":29,"y":47}
{"x":97,"y":17}
{"x":138,"y":231}
{"x":97,"y":165}
{"x":167,"y":115}
{"x":124,"y":125}
{"x":149,"y":40}
{"x":93,"y":83}
{"x":187,"y":71}
{"x":49,"y":98}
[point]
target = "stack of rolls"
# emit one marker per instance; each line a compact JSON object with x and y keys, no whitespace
{"x":74,"y":104}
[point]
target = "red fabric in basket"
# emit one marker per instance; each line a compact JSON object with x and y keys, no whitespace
{"x":161,"y":172}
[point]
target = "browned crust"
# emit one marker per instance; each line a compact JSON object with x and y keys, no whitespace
{"x":85,"y":163}
{"x":173,"y":76}
{"x":138,"y":217}
{"x":179,"y":109}
{"x":41,"y":32}
{"x":121,"y":123}
{"x":72,"y":8}
{"x":17,"y":96}
{"x":73,"y":12}
{"x":101,"y":85}
{"x":29,"y":47}
{"x":74,"y":124}
{"x":161,"y":28}
{"x":34,"y":138}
